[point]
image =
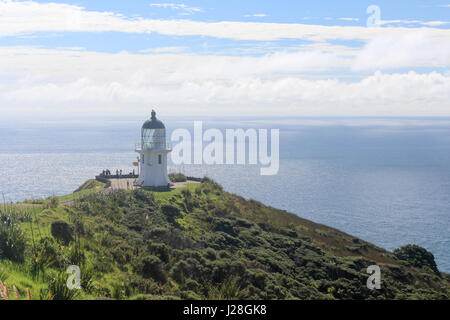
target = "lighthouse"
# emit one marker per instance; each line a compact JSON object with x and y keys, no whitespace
{"x":153,"y":151}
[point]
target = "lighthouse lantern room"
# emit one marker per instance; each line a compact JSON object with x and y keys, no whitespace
{"x":153,"y":151}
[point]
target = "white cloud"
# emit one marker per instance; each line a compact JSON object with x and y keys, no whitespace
{"x":44,"y":82}
{"x":416,"y":48}
{"x":29,"y":17}
{"x":74,"y":80}
{"x":164,"y":50}
{"x":160,"y":68}
{"x":411,"y":22}
{"x":259,"y":15}
{"x":349,"y":19}
{"x":380,"y":94}
{"x":177,"y":6}
{"x":382,"y":22}
{"x":435,"y":23}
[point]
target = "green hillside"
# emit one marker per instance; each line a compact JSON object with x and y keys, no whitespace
{"x":196,"y":242}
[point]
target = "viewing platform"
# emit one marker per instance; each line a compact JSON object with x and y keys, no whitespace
{"x":117,"y":176}
{"x":127,"y":182}
{"x":118,"y":181}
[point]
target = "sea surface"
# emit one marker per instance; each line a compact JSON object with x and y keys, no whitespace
{"x":386,"y":180}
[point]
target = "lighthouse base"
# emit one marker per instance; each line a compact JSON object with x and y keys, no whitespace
{"x":153,"y":169}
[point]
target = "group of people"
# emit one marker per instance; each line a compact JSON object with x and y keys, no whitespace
{"x":107,"y":173}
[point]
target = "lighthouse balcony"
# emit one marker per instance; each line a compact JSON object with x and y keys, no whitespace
{"x":153,"y":146}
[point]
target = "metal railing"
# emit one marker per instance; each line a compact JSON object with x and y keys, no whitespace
{"x":153,"y":146}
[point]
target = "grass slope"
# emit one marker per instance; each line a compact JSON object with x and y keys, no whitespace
{"x":197,"y":242}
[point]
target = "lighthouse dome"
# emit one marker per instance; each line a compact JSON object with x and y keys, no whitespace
{"x":153,"y":134}
{"x":153,"y":123}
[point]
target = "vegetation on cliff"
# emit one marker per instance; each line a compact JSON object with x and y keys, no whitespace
{"x":196,"y":242}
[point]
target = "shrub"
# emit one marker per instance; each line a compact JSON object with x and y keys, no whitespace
{"x":171,"y":212}
{"x":210,"y":254}
{"x":87,"y":278}
{"x":142,"y":285}
{"x":192,"y":285}
{"x":135,"y":220}
{"x":57,"y":289}
{"x":12,"y":239}
{"x":417,"y":256}
{"x":177,"y":177}
{"x":220,"y":240}
{"x":151,"y":267}
{"x":63,"y":231}
{"x":224,"y":225}
{"x":45,"y":256}
{"x":229,"y":289}
{"x":161,"y":250}
{"x":145,"y":197}
{"x":51,"y":203}
{"x":179,"y":270}
{"x":157,"y":233}
{"x":122,"y":252}
{"x":174,"y":237}
{"x":3,"y":275}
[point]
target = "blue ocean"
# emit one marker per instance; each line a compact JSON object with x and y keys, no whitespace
{"x":385,"y":180}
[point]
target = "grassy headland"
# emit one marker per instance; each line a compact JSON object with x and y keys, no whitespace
{"x":196,"y":242}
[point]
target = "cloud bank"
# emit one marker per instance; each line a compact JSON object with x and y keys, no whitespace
{"x":124,"y":83}
{"x":28,"y":17}
{"x":320,"y":75}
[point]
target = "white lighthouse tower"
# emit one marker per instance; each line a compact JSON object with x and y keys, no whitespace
{"x":153,"y":151}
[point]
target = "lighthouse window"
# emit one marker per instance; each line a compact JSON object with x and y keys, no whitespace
{"x":159,"y":159}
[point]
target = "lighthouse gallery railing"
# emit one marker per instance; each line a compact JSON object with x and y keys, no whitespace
{"x":153,"y":146}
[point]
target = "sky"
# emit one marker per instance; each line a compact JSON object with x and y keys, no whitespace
{"x":98,"y":58}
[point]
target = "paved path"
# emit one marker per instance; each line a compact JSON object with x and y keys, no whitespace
{"x":121,"y":184}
